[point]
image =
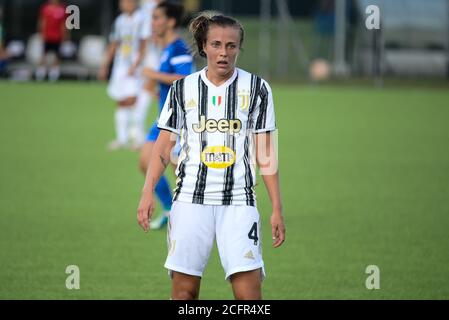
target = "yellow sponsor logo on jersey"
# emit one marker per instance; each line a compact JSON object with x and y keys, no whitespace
{"x":126,"y":46}
{"x":232,"y":126}
{"x":126,"y":50}
{"x":218,"y":157}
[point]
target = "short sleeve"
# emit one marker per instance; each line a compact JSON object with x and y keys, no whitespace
{"x":172,"y":116}
{"x":145,"y":32}
{"x":264,"y":119}
{"x":114,"y":36}
{"x":182,"y":63}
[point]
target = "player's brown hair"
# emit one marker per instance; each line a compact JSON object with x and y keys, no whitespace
{"x":172,"y":11}
{"x":199,"y":27}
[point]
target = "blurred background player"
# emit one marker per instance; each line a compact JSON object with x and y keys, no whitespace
{"x":149,"y":88}
{"x":51,"y":26}
{"x":3,"y":53}
{"x":127,"y":48}
{"x":176,"y":62}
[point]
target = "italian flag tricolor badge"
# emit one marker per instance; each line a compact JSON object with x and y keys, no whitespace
{"x":216,"y":101}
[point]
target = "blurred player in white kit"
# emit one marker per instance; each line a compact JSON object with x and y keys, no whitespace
{"x":127,"y":47}
{"x":148,"y":91}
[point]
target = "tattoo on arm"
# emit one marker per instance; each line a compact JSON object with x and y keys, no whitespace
{"x":164,"y":161}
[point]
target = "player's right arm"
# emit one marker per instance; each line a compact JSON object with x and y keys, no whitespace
{"x":171,"y":121}
{"x":160,"y":158}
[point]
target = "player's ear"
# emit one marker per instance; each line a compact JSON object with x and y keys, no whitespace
{"x":203,"y":50}
{"x":172,"y":23}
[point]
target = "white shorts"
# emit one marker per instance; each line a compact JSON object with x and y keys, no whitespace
{"x":123,"y":86}
{"x":192,"y":229}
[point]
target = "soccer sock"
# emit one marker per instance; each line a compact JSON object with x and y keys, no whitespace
{"x":140,"y":115}
{"x":41,"y":73}
{"x":54,"y":74}
{"x":121,"y":124}
{"x":164,"y":193}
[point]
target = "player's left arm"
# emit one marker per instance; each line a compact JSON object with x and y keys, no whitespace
{"x":140,"y":56}
{"x":182,"y":66}
{"x":267,"y":162}
{"x":166,"y":78}
{"x":266,"y":157}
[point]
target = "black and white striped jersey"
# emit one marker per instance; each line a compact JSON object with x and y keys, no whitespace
{"x":216,"y":165}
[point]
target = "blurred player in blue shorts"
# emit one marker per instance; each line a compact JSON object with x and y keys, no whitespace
{"x":149,"y":90}
{"x":176,"y":62}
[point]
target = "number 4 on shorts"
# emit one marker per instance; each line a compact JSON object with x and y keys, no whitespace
{"x":252,"y":234}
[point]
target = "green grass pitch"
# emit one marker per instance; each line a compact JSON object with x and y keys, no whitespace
{"x":364,"y":175}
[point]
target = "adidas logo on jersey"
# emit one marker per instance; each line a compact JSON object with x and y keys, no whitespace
{"x":192,"y":104}
{"x":223,"y":125}
{"x":249,"y":255}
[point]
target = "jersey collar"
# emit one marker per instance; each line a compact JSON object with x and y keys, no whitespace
{"x":223,"y":85}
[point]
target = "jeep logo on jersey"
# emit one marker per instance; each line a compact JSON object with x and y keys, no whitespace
{"x":223,"y":125}
{"x":218,"y":157}
{"x":216,"y":101}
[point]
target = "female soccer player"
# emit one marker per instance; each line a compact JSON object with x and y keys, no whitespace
{"x":148,"y":90}
{"x":222,"y":114}
{"x":127,"y":48}
{"x":176,"y":62}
